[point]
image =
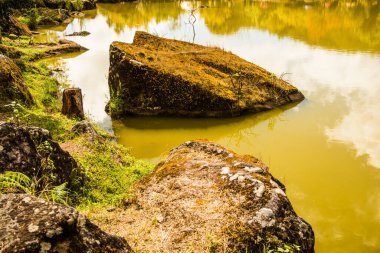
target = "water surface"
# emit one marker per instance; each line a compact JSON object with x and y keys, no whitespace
{"x":326,"y":150}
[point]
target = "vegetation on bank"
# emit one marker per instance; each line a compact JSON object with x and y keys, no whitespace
{"x":109,"y":168}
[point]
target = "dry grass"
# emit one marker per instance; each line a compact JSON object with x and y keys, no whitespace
{"x":188,"y":205}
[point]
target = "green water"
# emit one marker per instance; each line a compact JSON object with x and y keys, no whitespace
{"x":326,"y":150}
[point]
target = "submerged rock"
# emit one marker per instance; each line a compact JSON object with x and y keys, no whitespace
{"x":12,"y":84}
{"x":32,"y":151}
{"x":157,"y":76}
{"x":82,"y":33}
{"x":30,"y":224}
{"x":209,"y":199}
{"x":54,"y":49}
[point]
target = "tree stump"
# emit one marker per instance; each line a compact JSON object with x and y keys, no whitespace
{"x":72,"y":103}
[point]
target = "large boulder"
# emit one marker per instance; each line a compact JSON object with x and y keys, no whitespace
{"x":32,"y":151}
{"x":12,"y":85}
{"x":157,"y":76}
{"x":30,"y":224}
{"x":209,"y":199}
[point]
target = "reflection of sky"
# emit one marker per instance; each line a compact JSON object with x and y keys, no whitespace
{"x":332,"y":184}
{"x":311,"y":69}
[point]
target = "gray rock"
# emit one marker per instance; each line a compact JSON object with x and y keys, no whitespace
{"x":239,"y":209}
{"x":30,"y":224}
{"x":27,"y":150}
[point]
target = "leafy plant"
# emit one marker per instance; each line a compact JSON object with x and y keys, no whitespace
{"x":237,"y":83}
{"x":285,"y":248}
{"x":19,"y":182}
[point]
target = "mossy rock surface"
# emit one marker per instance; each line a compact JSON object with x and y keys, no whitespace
{"x":206,"y":198}
{"x":158,"y":76}
{"x":30,"y":224}
{"x":12,"y":84}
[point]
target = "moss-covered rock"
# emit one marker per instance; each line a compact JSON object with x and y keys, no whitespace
{"x":157,"y":76}
{"x":207,"y":198}
{"x":46,"y":50}
{"x":33,"y":152}
{"x":12,"y":85}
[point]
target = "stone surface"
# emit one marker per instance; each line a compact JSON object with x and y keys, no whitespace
{"x":17,"y":27}
{"x":30,"y":224}
{"x":32,"y":151}
{"x":54,"y":49}
{"x":157,"y":76}
{"x":52,"y":16}
{"x":89,"y":4}
{"x":209,"y":199}
{"x":12,"y":85}
{"x":84,"y":127}
{"x":83,"y":33}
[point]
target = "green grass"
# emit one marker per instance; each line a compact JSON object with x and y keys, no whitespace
{"x":110,"y":170}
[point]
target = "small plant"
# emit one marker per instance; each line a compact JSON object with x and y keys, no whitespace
{"x":285,"y":248}
{"x":19,"y":113}
{"x":74,"y":5}
{"x":237,"y":83}
{"x":19,"y":182}
{"x":33,"y":19}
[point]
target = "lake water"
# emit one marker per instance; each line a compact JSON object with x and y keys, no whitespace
{"x":326,"y":150}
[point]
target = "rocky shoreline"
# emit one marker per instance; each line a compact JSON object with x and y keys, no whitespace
{"x":202,"y":196}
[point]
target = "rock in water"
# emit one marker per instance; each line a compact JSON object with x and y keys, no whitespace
{"x":30,"y":224}
{"x":12,"y":85}
{"x":209,"y":199}
{"x":157,"y":76}
{"x":28,"y":150}
{"x":72,"y":103}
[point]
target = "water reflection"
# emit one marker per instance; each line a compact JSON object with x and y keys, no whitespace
{"x":140,"y":14}
{"x":336,"y":25}
{"x":325,"y":149}
{"x":149,"y":133}
{"x":360,"y":127}
{"x":339,"y":25}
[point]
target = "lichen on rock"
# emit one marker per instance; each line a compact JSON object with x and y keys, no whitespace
{"x":30,"y":224}
{"x":158,"y":76}
{"x":206,"y":198}
{"x":32,"y":151}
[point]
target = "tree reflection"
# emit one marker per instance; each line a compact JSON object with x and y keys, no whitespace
{"x":341,"y":25}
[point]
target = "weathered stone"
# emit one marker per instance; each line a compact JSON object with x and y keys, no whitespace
{"x":52,"y":16}
{"x":83,"y":33}
{"x":89,"y":4}
{"x":72,"y":103}
{"x":12,"y":85}
{"x":203,"y":194}
{"x":157,"y":76}
{"x":17,"y":27}
{"x":30,"y":224}
{"x":54,"y":49}
{"x":32,"y":151}
{"x":84,"y":127}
